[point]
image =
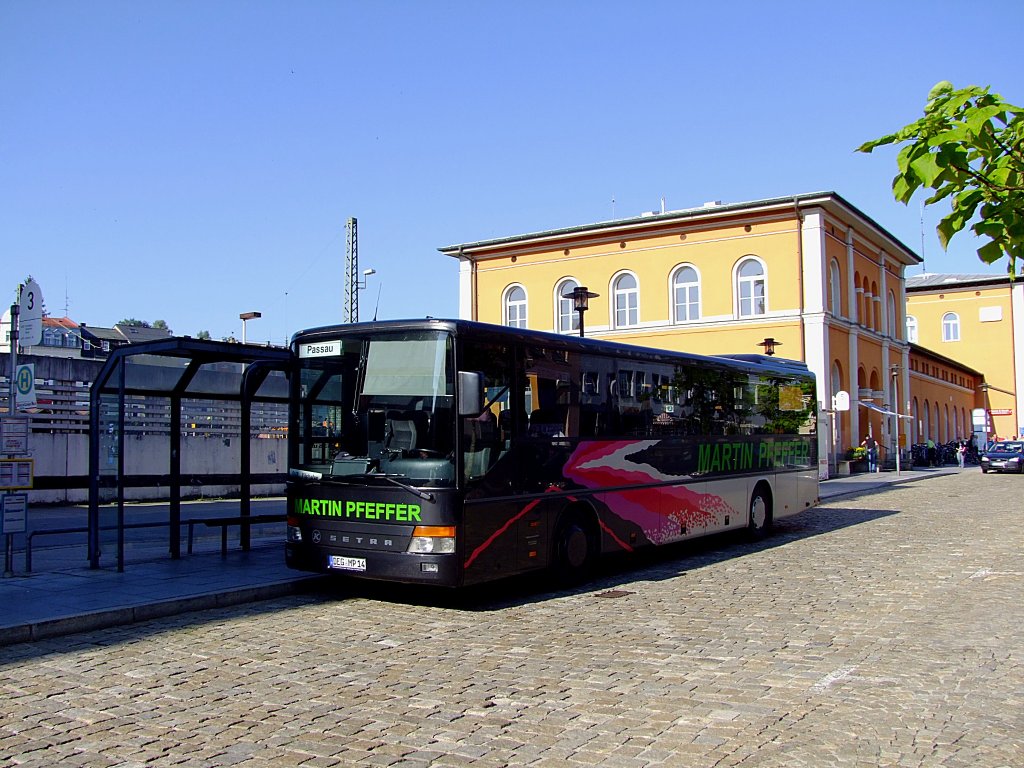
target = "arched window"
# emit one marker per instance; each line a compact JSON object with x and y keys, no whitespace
{"x":686,"y":294}
{"x":858,"y":299}
{"x":891,"y":309}
{"x":567,"y":320}
{"x":866,"y":315}
{"x":515,"y":306}
{"x":835,"y":290}
{"x":750,"y":288}
{"x":912,"y":329}
{"x":876,"y":307}
{"x":951,"y":327}
{"x":627,"y":300}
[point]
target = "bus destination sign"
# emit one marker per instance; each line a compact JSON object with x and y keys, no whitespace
{"x":320,"y":349}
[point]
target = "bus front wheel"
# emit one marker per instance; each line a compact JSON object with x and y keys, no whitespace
{"x":575,"y":549}
{"x":760,"y":519}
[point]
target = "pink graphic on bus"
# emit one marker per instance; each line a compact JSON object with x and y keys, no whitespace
{"x":661,"y":512}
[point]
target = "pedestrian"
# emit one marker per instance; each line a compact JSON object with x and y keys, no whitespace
{"x":961,"y":453}
{"x":931,"y":453}
{"x":872,"y":448}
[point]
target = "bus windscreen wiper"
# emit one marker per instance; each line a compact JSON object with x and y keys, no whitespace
{"x":414,"y":491}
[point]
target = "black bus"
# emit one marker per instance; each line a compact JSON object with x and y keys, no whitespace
{"x":452,"y":452}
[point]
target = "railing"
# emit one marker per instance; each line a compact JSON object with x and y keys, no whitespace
{"x":63,"y":408}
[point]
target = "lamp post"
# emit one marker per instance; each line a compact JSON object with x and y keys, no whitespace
{"x":769,"y":345}
{"x":896,"y":407}
{"x":361,"y":286}
{"x":248,"y":316}
{"x":580,"y":300}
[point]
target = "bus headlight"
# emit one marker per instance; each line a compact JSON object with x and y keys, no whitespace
{"x":432,"y":540}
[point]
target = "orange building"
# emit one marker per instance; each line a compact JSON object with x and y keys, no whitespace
{"x":943,"y":395}
{"x":811,"y":273}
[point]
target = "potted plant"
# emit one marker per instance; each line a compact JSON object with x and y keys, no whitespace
{"x":858,"y":458}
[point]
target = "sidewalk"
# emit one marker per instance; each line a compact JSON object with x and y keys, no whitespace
{"x":852,"y":485}
{"x":41,"y":605}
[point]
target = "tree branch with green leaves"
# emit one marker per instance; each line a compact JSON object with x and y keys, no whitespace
{"x":967,"y":149}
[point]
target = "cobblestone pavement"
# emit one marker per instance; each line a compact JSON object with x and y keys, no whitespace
{"x":878,"y":631}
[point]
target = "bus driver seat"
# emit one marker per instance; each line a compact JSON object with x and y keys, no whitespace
{"x":400,"y":434}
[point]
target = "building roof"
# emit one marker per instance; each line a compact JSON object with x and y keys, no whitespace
{"x":932,"y":281}
{"x":136,"y":334}
{"x":103,"y":334}
{"x":931,"y":353}
{"x":60,"y":322}
{"x":828,"y":200}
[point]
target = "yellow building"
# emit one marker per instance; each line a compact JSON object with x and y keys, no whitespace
{"x":810,"y":272}
{"x":976,"y":320}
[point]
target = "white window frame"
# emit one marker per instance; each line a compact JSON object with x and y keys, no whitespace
{"x":741,"y":283}
{"x":911,"y":329}
{"x":691,"y":302}
{"x":835,"y":288}
{"x":567,"y":319}
{"x":951,"y":327}
{"x":514,"y":313}
{"x":629,"y":315}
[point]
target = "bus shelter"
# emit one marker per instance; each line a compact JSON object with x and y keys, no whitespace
{"x":147,"y":396}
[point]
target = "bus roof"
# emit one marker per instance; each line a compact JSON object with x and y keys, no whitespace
{"x":462,"y":328}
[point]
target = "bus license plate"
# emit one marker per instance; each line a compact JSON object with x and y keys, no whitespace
{"x":347,"y":563}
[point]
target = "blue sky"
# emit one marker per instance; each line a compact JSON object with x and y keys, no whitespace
{"x":191,"y":160}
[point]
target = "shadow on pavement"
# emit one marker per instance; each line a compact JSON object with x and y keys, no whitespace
{"x":657,"y":564}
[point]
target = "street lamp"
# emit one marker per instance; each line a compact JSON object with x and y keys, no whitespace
{"x":896,"y":407}
{"x":248,"y":316}
{"x":769,"y":345}
{"x":361,"y":284}
{"x":580,"y":299}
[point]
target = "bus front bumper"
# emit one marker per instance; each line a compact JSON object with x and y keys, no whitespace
{"x":440,"y":569}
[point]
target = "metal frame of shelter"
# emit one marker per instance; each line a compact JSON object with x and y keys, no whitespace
{"x":176,"y":381}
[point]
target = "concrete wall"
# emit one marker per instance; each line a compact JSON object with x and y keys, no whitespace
{"x":67,"y":455}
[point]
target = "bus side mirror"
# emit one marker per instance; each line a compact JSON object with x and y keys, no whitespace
{"x":471,"y":387}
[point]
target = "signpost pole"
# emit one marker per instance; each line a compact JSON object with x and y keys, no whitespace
{"x":11,"y":410}
{"x":15,"y":311}
{"x":8,"y":547}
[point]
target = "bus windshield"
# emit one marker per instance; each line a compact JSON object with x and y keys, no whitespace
{"x":378,"y":405}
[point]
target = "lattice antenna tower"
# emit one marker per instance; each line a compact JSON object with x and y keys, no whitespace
{"x":350,"y":307}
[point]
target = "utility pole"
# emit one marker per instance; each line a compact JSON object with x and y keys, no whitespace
{"x":350,"y":305}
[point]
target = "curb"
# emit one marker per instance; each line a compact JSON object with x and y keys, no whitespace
{"x":117,"y":617}
{"x":874,"y":487}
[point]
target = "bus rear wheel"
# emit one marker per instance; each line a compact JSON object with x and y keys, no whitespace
{"x":759,"y":521}
{"x":575,"y":549}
